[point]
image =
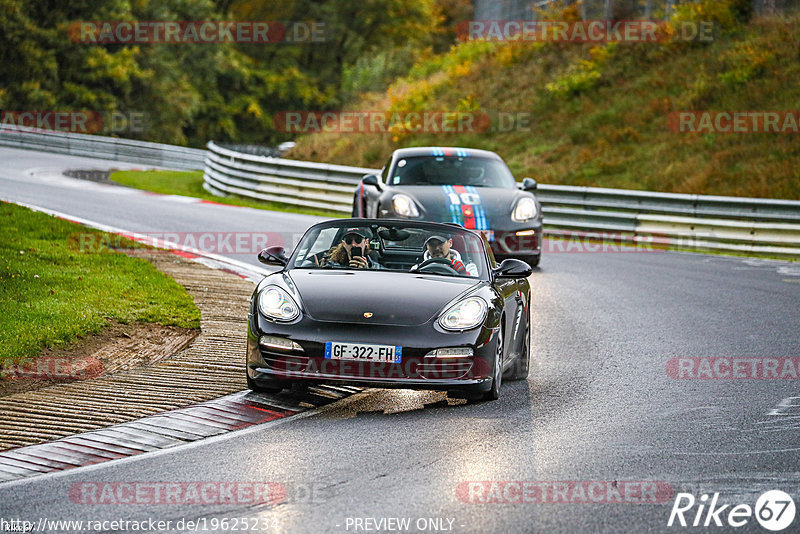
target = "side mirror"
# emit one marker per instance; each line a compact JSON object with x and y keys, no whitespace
{"x":513,"y":268}
{"x":371,"y":179}
{"x":529,"y":184}
{"x":273,"y":256}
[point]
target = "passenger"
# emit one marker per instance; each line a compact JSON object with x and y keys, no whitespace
{"x":353,"y":251}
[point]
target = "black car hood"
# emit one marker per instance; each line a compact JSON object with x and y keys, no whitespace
{"x":496,"y":202}
{"x":392,"y":298}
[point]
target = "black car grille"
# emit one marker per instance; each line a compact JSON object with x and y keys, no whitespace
{"x":432,"y":368}
{"x":284,"y":362}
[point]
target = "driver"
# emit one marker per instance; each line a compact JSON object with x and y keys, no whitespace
{"x":352,"y":251}
{"x":438,"y":246}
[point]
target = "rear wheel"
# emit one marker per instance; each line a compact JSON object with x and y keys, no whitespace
{"x":497,"y":370}
{"x":522,"y":366}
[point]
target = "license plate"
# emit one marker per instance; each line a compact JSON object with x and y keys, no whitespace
{"x":488,"y":234}
{"x":363,"y":352}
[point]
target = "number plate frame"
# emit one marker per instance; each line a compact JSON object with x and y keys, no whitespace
{"x":347,"y":349}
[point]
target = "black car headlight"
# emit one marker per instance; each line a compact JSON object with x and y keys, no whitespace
{"x":525,"y":210}
{"x":404,"y":206}
{"x":276,"y":304}
{"x":464,"y":314}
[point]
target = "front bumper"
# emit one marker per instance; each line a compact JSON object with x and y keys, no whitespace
{"x":271,"y":367}
{"x":517,"y":242}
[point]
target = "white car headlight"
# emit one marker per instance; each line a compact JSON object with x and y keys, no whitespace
{"x":276,"y":304}
{"x":465,"y":314}
{"x":525,"y":210}
{"x":404,"y":206}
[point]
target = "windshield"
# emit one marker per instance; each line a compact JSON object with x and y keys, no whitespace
{"x":452,"y":170}
{"x":392,"y":247}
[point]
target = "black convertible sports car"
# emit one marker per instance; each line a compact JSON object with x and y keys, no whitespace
{"x":390,"y":303}
{"x":470,"y":187}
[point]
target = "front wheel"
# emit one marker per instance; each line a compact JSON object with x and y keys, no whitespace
{"x":255,"y":386}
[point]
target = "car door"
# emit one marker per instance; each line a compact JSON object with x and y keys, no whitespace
{"x":508,"y":289}
{"x":522,"y":316}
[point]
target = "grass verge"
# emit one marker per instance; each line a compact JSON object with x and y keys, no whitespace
{"x":600,"y":114}
{"x":190,"y":184}
{"x":53,"y":290}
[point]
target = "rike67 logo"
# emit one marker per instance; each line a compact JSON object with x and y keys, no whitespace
{"x":774,"y":510}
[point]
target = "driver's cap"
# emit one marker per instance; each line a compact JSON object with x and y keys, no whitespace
{"x":354,"y":231}
{"x":436,"y":238}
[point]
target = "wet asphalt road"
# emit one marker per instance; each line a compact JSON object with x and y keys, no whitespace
{"x":599,"y":409}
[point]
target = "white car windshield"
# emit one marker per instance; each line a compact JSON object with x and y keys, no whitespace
{"x":400,"y":247}
{"x":452,"y":170}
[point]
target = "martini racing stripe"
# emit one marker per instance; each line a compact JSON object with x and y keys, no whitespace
{"x":460,"y":152}
{"x":466,"y":210}
{"x":481,"y":220}
{"x":472,"y":215}
{"x":453,"y":209}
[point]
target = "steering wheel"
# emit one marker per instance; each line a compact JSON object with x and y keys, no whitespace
{"x":437,"y":265}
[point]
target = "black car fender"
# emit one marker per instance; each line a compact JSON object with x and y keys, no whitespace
{"x":365,"y":200}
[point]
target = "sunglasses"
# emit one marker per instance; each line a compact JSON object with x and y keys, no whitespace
{"x":355,"y":239}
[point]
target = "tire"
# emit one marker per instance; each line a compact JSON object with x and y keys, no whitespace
{"x":355,"y":207}
{"x":497,"y":370}
{"x":533,"y":261}
{"x":254,"y":386}
{"x":522,"y":366}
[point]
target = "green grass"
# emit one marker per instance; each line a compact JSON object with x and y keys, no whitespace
{"x":190,"y":184}
{"x":52,"y":291}
{"x":608,"y":128}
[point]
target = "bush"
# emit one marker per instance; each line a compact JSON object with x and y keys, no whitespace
{"x":724,"y":14}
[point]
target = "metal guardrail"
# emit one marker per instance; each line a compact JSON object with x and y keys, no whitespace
{"x":703,"y":222}
{"x":300,"y":183}
{"x":97,"y":146}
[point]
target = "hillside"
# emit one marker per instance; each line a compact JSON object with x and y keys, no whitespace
{"x":599,"y":112}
